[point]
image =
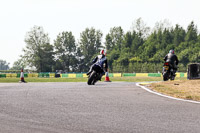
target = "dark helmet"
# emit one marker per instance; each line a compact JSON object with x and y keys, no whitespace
{"x":171,"y":51}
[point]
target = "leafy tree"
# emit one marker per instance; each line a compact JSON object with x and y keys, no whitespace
{"x":123,"y":60}
{"x":48,"y":57}
{"x":159,"y":35}
{"x":137,"y":50}
{"x":19,"y":64}
{"x":136,"y":44}
{"x":191,"y":33}
{"x":149,"y":47}
{"x":167,"y":38}
{"x":162,"y":25}
{"x":141,"y":28}
{"x":183,"y":56}
{"x":114,"y":38}
{"x":178,"y":35}
{"x":128,"y":39}
{"x":65,"y":49}
{"x":38,"y":51}
{"x":114,"y":43}
{"x":90,"y":45}
{"x":112,"y":56}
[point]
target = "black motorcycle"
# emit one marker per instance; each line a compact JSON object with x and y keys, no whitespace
{"x":95,"y":75}
{"x":168,"y":72}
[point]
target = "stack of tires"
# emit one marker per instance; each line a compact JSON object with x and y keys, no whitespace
{"x":193,"y":71}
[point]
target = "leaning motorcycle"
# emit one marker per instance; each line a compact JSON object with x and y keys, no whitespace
{"x":168,"y":72}
{"x":95,"y":75}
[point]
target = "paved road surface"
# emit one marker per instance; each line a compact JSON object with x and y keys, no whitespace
{"x":116,"y":107}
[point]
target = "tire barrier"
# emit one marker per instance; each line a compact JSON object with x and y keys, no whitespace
{"x":2,"y":75}
{"x":52,"y":75}
{"x":71,"y":75}
{"x":11,"y":75}
{"x":32,"y":75}
{"x":78,"y":75}
{"x":154,"y":74}
{"x":193,"y":71}
{"x":43,"y":75}
{"x":83,"y":75}
{"x":129,"y":74}
{"x":141,"y":74}
{"x":64,"y":75}
{"x":117,"y":74}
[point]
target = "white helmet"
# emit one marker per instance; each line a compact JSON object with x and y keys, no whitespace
{"x":171,"y":51}
{"x":102,"y":52}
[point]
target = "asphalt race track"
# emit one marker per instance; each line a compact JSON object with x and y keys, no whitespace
{"x":116,"y":107}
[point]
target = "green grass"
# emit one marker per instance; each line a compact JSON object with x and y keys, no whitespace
{"x":123,"y":79}
{"x":16,"y":80}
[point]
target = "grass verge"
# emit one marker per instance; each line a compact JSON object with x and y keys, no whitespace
{"x":16,"y":80}
{"x":122,"y":79}
{"x":185,"y":89}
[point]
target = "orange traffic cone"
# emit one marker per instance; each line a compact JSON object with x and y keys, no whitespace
{"x":107,"y":78}
{"x":22,"y":77}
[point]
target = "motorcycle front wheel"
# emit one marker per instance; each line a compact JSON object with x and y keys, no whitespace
{"x":91,"y":79}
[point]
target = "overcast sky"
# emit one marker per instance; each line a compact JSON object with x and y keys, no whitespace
{"x":18,"y":17}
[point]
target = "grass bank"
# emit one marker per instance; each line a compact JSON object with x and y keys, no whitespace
{"x":16,"y":80}
{"x":114,"y":79}
{"x":185,"y":89}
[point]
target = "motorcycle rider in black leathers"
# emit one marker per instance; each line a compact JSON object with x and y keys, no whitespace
{"x":100,"y":60}
{"x":172,"y":59}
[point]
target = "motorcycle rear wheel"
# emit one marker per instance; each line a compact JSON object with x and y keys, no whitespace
{"x":165,"y":77}
{"x":172,"y":77}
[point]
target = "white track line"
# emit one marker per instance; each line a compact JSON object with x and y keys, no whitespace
{"x":145,"y":88}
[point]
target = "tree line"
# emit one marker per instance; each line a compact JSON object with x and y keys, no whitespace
{"x":138,"y":50}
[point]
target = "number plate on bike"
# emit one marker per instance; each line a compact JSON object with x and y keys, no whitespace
{"x":166,"y":67}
